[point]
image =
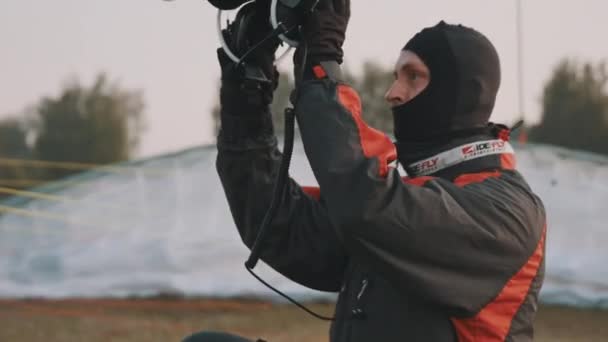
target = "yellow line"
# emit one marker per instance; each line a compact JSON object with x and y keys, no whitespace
{"x":66,"y":182}
{"x":34,"y":182}
{"x":79,"y":166}
{"x":43,"y":215}
{"x":52,"y":164}
{"x":22,"y":182}
{"x":56,"y":198}
{"x":36,"y":195}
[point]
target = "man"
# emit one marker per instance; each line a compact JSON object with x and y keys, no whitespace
{"x":454,"y":252}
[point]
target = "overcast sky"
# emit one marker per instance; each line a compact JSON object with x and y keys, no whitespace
{"x":167,"y":49}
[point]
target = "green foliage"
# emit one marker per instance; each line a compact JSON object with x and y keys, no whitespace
{"x":371,"y":85}
{"x":13,"y":139}
{"x":100,"y":124}
{"x":13,"y":147}
{"x":575,"y":108}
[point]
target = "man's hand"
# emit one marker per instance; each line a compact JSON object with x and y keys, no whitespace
{"x":239,"y":95}
{"x":323,"y":33}
{"x":248,"y":86}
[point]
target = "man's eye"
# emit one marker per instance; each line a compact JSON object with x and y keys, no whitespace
{"x":413,"y":76}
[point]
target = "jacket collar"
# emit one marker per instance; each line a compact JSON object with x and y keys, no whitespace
{"x":468,"y":155}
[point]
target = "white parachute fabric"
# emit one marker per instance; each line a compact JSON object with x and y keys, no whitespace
{"x":162,"y":226}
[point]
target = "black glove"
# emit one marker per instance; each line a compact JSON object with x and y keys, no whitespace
{"x":240,"y":95}
{"x":323,"y":33}
{"x":248,"y":86}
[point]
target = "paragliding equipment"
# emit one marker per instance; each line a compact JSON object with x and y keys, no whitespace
{"x":284,"y":17}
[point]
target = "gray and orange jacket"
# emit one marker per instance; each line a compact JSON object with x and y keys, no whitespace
{"x":457,"y":255}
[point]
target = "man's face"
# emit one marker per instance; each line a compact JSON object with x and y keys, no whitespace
{"x":412,"y":76}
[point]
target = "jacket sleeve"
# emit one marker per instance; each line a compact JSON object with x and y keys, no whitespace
{"x":454,"y":246}
{"x":301,"y":245}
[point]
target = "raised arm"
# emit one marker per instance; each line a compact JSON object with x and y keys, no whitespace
{"x":302,"y":245}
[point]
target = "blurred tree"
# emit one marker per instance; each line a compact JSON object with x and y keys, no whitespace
{"x":101,"y":124}
{"x":371,"y":85}
{"x":575,"y":108}
{"x":13,"y":147}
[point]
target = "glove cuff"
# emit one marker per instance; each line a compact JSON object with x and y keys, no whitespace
{"x":245,"y":98}
{"x":320,"y":70}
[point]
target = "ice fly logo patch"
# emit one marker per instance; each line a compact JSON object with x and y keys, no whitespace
{"x":479,"y":149}
{"x":426,"y":166}
{"x":467,"y":149}
{"x":458,"y":155}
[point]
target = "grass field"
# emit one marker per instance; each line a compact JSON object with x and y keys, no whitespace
{"x":152,"y":320}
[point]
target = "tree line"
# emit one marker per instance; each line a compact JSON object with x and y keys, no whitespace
{"x":102,"y":123}
{"x":96,"y":124}
{"x":575,"y":108}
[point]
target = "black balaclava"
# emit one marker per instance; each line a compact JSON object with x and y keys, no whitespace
{"x":465,"y":77}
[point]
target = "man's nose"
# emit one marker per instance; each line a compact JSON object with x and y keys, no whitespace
{"x":396,"y":95}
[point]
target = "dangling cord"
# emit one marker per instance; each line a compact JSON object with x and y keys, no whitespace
{"x":279,"y":191}
{"x":281,"y":29}
{"x":293,"y":301}
{"x":280,"y":183}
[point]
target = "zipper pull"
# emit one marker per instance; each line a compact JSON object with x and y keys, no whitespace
{"x":357,"y":312}
{"x":363,"y":287}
